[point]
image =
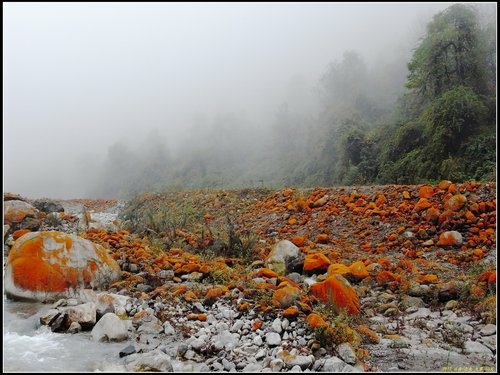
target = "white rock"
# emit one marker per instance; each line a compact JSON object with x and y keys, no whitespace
{"x":110,"y":328}
{"x":257,"y":340}
{"x":276,"y":326}
{"x":273,"y":338}
{"x":168,"y":329}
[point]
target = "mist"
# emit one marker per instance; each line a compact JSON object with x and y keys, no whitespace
{"x":97,"y":95}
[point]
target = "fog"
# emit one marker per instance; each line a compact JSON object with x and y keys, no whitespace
{"x":83,"y":79}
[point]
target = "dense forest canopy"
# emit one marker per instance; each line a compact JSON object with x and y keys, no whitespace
{"x":432,"y":119}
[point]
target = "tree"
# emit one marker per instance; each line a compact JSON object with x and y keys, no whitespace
{"x":449,"y":54}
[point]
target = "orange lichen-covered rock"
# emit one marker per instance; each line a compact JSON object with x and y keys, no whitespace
{"x":337,"y":292}
{"x":291,"y":312}
{"x":444,"y":185}
{"x":450,"y":238}
{"x":358,"y":270}
{"x":432,"y":215}
{"x":44,"y":265}
{"x":427,"y":279}
{"x":316,"y":321}
{"x":339,"y":268}
{"x":489,"y":276}
{"x":422,"y":204}
{"x":316,"y":263}
{"x":200,"y":317}
{"x":266,"y":272}
{"x":299,"y":241}
{"x":15,"y":211}
{"x":322,"y":238}
{"x":384,"y":277}
{"x":426,"y":191}
{"x":213,"y":294}
{"x":368,"y":334}
{"x":455,"y":203}
{"x":286,"y":296}
{"x":20,"y":232}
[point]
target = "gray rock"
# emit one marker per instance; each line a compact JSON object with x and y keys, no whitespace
{"x":182,"y":349}
{"x":303,"y":361}
{"x":74,"y":327}
{"x":260,"y":354}
{"x":198,"y":344}
{"x":237,"y":326}
{"x":252,"y":367}
{"x":127,"y":351}
{"x":333,"y":364}
{"x":346,"y":352}
{"x":477,"y":347}
{"x":276,"y":365}
{"x":488,"y":330}
{"x":296,"y":369}
{"x":85,"y":314}
{"x":154,"y":360}
{"x":490,"y":342}
{"x":422,"y":312}
{"x":225,"y":340}
{"x":409,"y":301}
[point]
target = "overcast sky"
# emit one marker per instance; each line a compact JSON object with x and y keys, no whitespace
{"x":80,"y":76}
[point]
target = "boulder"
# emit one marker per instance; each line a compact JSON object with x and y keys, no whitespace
{"x":51,"y":265}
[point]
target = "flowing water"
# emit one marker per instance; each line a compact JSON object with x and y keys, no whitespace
{"x":30,"y":347}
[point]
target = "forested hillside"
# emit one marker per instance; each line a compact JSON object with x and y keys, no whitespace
{"x":418,"y":121}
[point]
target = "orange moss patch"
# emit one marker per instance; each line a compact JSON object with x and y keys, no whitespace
{"x":286,"y":296}
{"x":368,"y":334}
{"x":426,"y":191}
{"x":337,"y":292}
{"x":213,"y":294}
{"x":200,"y":317}
{"x":427,"y":279}
{"x":444,"y":185}
{"x":489,"y":276}
{"x":298,"y":241}
{"x":266,"y":272}
{"x":455,"y":203}
{"x":358,"y":270}
{"x":44,"y":263}
{"x":257,"y":324}
{"x":316,"y":321}
{"x":384,"y":277}
{"x":337,"y":268}
{"x":322,"y":238}
{"x":422,"y":204}
{"x":291,"y":312}
{"x":316,"y":263}
{"x":20,"y":232}
{"x":451,"y":238}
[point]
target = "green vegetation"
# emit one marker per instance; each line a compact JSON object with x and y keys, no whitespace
{"x":416,"y":120}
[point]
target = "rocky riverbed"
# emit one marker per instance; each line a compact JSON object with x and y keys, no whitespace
{"x":187,"y":303}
